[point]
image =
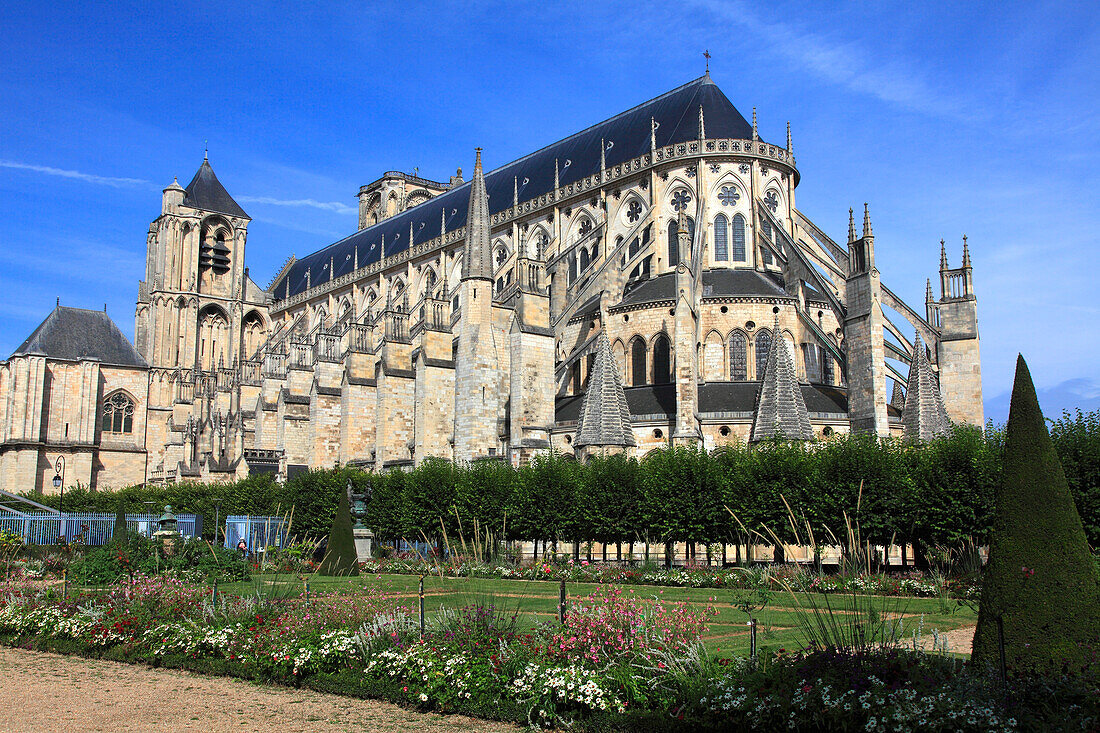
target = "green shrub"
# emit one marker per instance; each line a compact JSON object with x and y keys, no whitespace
{"x":1040,"y":581}
{"x":340,"y":556}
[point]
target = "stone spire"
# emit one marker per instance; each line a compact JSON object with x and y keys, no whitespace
{"x":966,"y":253}
{"x":781,"y":410}
{"x":851,"y":226}
{"x":755,"y":135}
{"x":702,"y":127}
{"x":924,"y":416}
{"x":790,"y":145}
{"x":477,"y":258}
{"x":943,"y":255}
{"x":897,"y":398}
{"x":867,"y":222}
{"x":605,"y":416}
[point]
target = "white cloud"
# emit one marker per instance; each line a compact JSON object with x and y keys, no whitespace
{"x":842,"y":63}
{"x":76,"y":175}
{"x":335,"y":206}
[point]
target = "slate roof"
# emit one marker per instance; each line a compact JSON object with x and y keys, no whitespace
{"x":604,"y":419}
{"x":76,"y":333}
{"x":628,"y":134}
{"x":716,"y":283}
{"x":924,"y":416}
{"x":206,"y":192}
{"x":660,"y":399}
{"x":781,"y":410}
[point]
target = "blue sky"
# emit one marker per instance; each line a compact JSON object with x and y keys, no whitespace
{"x":950,"y":119}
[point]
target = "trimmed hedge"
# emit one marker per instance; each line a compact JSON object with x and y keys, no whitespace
{"x":1040,"y":581}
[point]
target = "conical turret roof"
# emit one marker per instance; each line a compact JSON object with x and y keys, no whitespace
{"x":781,"y":411}
{"x":924,"y":416}
{"x":477,"y":257}
{"x":206,"y":192}
{"x":605,"y":415}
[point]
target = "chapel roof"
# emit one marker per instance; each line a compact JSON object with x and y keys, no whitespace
{"x":625,"y":136}
{"x":206,"y":192}
{"x":75,"y":333}
{"x":716,"y":283}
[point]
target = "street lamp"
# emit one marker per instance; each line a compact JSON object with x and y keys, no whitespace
{"x":59,"y":483}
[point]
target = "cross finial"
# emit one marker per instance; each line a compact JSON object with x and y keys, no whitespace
{"x":205,"y":150}
{"x":706,"y":55}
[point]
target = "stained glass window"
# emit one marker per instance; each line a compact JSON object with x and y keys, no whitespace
{"x":586,"y":227}
{"x":673,"y":244}
{"x":739,"y":238}
{"x":662,"y":360}
{"x":680,"y":200}
{"x":637,"y":362}
{"x":729,"y":196}
{"x":763,"y":344}
{"x":771,"y":199}
{"x":739,"y":357}
{"x":118,"y":414}
{"x":633,"y":211}
{"x":721,"y":238}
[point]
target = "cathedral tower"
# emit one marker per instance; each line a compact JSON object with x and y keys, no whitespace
{"x":958,"y":352}
{"x":863,"y":334}
{"x":477,"y":396}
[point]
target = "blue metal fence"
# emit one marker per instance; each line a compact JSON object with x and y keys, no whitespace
{"x":43,"y":528}
{"x":258,"y":532}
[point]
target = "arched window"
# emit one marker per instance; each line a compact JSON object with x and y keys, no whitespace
{"x":766,"y":228}
{"x":633,"y":250}
{"x":721,"y":238}
{"x":738,"y":238}
{"x":673,"y":240}
{"x":637,"y":362}
{"x":673,"y":244}
{"x":584,"y":259}
{"x":572,"y":269}
{"x":763,"y":344}
{"x":739,"y":357}
{"x":662,"y":360}
{"x":118,"y":414}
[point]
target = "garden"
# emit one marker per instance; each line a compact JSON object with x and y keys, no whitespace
{"x":569,"y":641}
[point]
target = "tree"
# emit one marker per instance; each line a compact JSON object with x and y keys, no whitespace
{"x":341,"y":558}
{"x":683,"y":497}
{"x":428,"y":503}
{"x":543,"y":506}
{"x":1077,"y":439}
{"x":483,"y":490}
{"x":1040,"y":581}
{"x":118,"y":535}
{"x":609,"y":501}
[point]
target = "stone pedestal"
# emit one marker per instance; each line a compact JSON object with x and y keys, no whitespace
{"x":364,"y":543}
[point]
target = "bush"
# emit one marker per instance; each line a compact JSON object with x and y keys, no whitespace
{"x":1040,"y":582}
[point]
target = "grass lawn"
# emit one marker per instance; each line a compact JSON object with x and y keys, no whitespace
{"x":537,"y":601}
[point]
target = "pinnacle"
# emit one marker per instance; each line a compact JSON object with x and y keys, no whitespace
{"x":867,"y":222}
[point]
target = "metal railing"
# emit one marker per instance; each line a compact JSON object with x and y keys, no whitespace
{"x":257,"y":532}
{"x":95,"y":528}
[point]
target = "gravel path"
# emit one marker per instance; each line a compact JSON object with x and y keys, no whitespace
{"x":51,"y":692}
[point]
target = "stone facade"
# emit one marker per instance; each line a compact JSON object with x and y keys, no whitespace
{"x":462,"y":320}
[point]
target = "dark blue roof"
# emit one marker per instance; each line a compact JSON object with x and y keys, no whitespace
{"x":206,"y":192}
{"x":628,"y":134}
{"x":75,"y":333}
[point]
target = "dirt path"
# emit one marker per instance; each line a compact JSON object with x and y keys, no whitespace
{"x":959,"y":641}
{"x":50,"y":692}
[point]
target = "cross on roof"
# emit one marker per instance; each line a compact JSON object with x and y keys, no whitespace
{"x":706,"y":54}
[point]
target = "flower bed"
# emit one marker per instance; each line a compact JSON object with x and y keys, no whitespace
{"x":617,"y":662}
{"x":778,"y":577}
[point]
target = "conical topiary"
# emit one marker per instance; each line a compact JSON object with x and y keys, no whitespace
{"x":340,"y":556}
{"x":120,"y":530}
{"x":1040,"y":580}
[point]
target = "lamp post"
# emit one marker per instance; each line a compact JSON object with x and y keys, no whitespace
{"x":217,"y":518}
{"x":59,"y":483}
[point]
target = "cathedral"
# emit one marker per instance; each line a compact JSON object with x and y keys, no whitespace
{"x":648,"y":281}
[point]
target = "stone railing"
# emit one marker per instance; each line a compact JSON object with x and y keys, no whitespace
{"x":586,"y":186}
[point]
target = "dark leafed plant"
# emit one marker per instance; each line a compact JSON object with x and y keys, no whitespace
{"x":1040,"y":584}
{"x":340,"y":557}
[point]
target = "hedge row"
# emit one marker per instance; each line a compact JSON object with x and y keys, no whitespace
{"x":935,"y":493}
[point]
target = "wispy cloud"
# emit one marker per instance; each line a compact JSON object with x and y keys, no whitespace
{"x":335,"y":206}
{"x":844,"y":63}
{"x":76,"y":175}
